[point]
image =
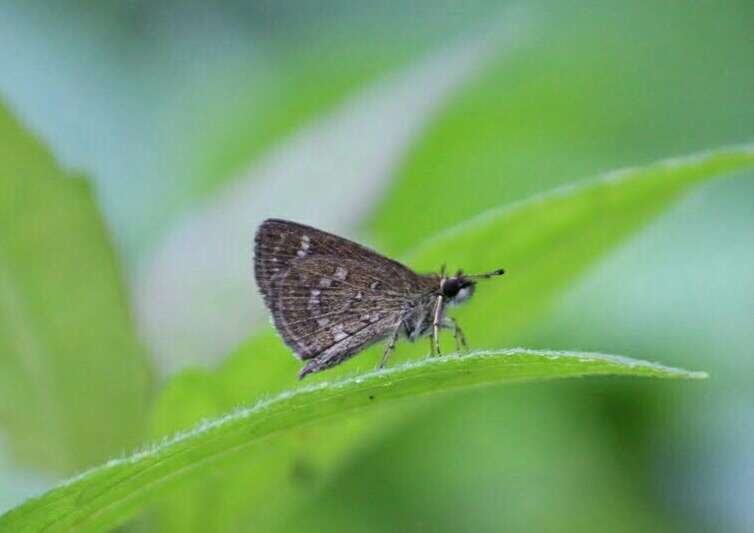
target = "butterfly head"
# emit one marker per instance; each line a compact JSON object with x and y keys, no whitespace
{"x":459,"y":288}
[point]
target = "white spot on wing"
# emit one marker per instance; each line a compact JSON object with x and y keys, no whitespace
{"x":325,"y":282}
{"x":304,"y":249}
{"x":341,"y":273}
{"x":314,"y":298}
{"x":322,"y":322}
{"x":338,"y":334}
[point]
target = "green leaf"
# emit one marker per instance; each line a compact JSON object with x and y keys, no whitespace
{"x":106,"y":496}
{"x":549,"y":240}
{"x":541,"y":118}
{"x":73,"y":378}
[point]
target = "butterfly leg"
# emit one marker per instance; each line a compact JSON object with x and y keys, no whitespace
{"x":460,"y":338}
{"x":436,"y":326}
{"x":390,"y":345}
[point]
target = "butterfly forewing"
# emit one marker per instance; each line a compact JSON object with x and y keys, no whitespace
{"x":330,"y":297}
{"x":279,"y":242}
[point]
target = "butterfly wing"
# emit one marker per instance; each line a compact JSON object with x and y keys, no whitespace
{"x":278,"y":243}
{"x":330,"y":297}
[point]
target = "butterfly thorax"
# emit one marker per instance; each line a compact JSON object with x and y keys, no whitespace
{"x":417,"y":319}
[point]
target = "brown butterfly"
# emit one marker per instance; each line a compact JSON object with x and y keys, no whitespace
{"x":330,"y":298}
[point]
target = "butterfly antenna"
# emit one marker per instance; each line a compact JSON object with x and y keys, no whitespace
{"x":494,"y":273}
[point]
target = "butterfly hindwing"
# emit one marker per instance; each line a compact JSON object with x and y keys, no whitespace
{"x":320,"y":302}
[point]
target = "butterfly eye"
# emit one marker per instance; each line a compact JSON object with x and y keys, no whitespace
{"x":450,"y":287}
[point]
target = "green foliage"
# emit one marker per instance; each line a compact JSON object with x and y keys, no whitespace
{"x":545,"y":243}
{"x":305,"y":76}
{"x":267,"y":448}
{"x":246,"y":446}
{"x":105,"y":496}
{"x":73,"y":378}
{"x":596,"y":84}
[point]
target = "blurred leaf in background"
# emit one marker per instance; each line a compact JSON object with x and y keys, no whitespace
{"x":599,"y":85}
{"x":172,"y":100}
{"x":74,"y":380}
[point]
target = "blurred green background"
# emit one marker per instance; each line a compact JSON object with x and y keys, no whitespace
{"x":193,"y":122}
